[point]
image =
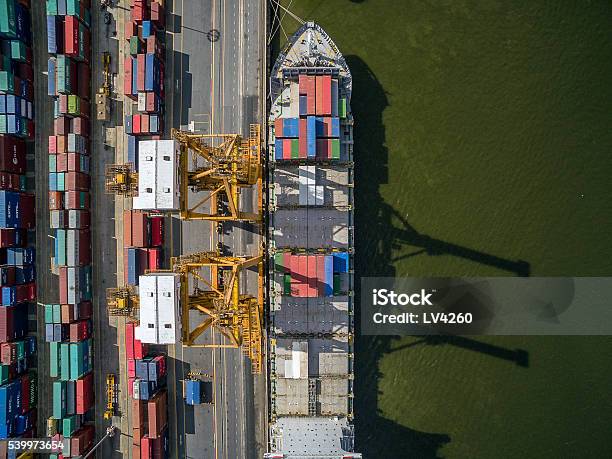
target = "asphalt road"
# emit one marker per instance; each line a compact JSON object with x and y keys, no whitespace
{"x":211,"y":88}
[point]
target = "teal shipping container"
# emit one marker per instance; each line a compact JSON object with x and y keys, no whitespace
{"x":54,"y":359}
{"x":48,"y":313}
{"x":8,"y":20}
{"x":59,"y":399}
{"x":64,"y":361}
{"x":57,"y":313}
{"x":60,"y":247}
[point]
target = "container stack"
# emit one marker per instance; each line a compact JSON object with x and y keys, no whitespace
{"x":310,"y":276}
{"x":18,"y":381}
{"x":315,"y":134}
{"x":68,"y":325}
{"x":144,"y":72}
{"x":146,"y":386}
{"x":143,"y":237}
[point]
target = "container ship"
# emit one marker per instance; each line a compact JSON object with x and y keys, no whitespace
{"x":310,"y":241}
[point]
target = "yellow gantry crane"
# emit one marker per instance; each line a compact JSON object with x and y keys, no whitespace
{"x":121,"y":179}
{"x":210,"y":284}
{"x":122,"y":301}
{"x":221,"y":164}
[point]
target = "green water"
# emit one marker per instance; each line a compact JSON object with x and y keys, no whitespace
{"x":483,"y":147}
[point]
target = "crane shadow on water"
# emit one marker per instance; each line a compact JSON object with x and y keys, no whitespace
{"x":381,"y":232}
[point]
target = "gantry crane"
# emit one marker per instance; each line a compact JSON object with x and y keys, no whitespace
{"x":121,"y":179}
{"x":210,"y":284}
{"x":121,"y":301}
{"x":111,"y":396}
{"x":221,"y":164}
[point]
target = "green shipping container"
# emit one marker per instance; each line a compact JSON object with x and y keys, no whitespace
{"x":134,"y":45}
{"x":54,"y":360}
{"x":8,"y":21}
{"x":279,"y":262}
{"x":61,"y":181}
{"x":4,"y":373}
{"x":64,"y":361}
{"x":7,"y":82}
{"x":287,"y":284}
{"x":336,"y":284}
{"x":23,"y":182}
{"x":51,"y":7}
{"x":59,"y":399}
{"x":3,"y":124}
{"x":72,"y":8}
{"x":18,"y":50}
{"x":5,"y":62}
{"x":69,"y":425}
{"x":295,"y":148}
{"x":48,"y":313}
{"x":335,"y":148}
{"x":52,"y":163}
{"x":342,"y":108}
{"x":57,"y":313}
{"x":74,"y":104}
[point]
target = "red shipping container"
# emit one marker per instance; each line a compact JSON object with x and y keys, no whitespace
{"x":63,"y":285}
{"x":310,"y":95}
{"x":326,"y":95}
{"x":151,"y":102}
{"x":136,"y":438}
{"x":71,"y":36}
{"x":319,"y":95}
{"x":136,"y":451}
{"x":140,"y":229}
{"x":157,"y":413}
{"x":81,"y":440}
{"x":25,"y":394}
{"x":79,"y":331}
{"x":76,"y":181}
{"x":154,"y":258}
{"x":138,"y":415}
{"x":127,"y":228}
{"x":278,"y":127}
{"x":84,"y":393}
{"x":7,"y":332}
{"x":8,"y":353}
{"x":140,"y":77}
{"x":52,"y":144}
{"x":72,"y":200}
{"x":68,"y":313}
{"x":56,"y":200}
{"x":322,"y":145}
{"x":131,"y":387}
{"x":136,"y":124}
{"x":302,"y":85}
{"x":61,"y":125}
{"x":131,"y":368}
{"x":73,"y":163}
{"x":140,"y":349}
{"x":60,"y":141}
{"x":25,"y":292}
{"x":12,"y":237}
{"x":9,"y":181}
{"x":80,"y":125}
{"x":61,"y":162}
{"x":127,"y":78}
{"x":130,"y":30}
{"x":157,"y":231}
{"x":144,"y":123}
{"x":85,"y":310}
{"x":161,"y":364}
{"x":311,"y":266}
{"x":302,"y":139}
{"x":143,"y":260}
{"x":28,"y":210}
{"x":85,"y":108}
{"x":12,"y":154}
{"x":287,"y":148}
{"x":146,"y":448}
{"x":157,"y":15}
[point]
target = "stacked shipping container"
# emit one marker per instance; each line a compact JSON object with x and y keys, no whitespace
{"x":146,"y":386}
{"x":311,"y":275}
{"x":143,"y":236}
{"x":144,"y":72}
{"x":68,"y":326}
{"x":18,"y":384}
{"x":316,"y":133}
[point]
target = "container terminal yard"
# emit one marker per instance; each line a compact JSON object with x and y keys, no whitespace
{"x":176,"y":233}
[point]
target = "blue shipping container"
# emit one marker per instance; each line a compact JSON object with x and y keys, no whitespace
{"x":133,"y":266}
{"x":328,"y":280}
{"x":341,"y":262}
{"x":311,"y":136}
{"x":51,"y":89}
{"x":278,"y":149}
{"x":132,"y":150}
{"x":193,"y":392}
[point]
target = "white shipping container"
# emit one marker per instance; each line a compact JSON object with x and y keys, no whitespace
{"x":74,"y":292}
{"x":74,"y":219}
{"x":167,"y":175}
{"x":72,"y":247}
{"x":142,"y":101}
{"x":57,"y":219}
{"x":146,"y":176}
